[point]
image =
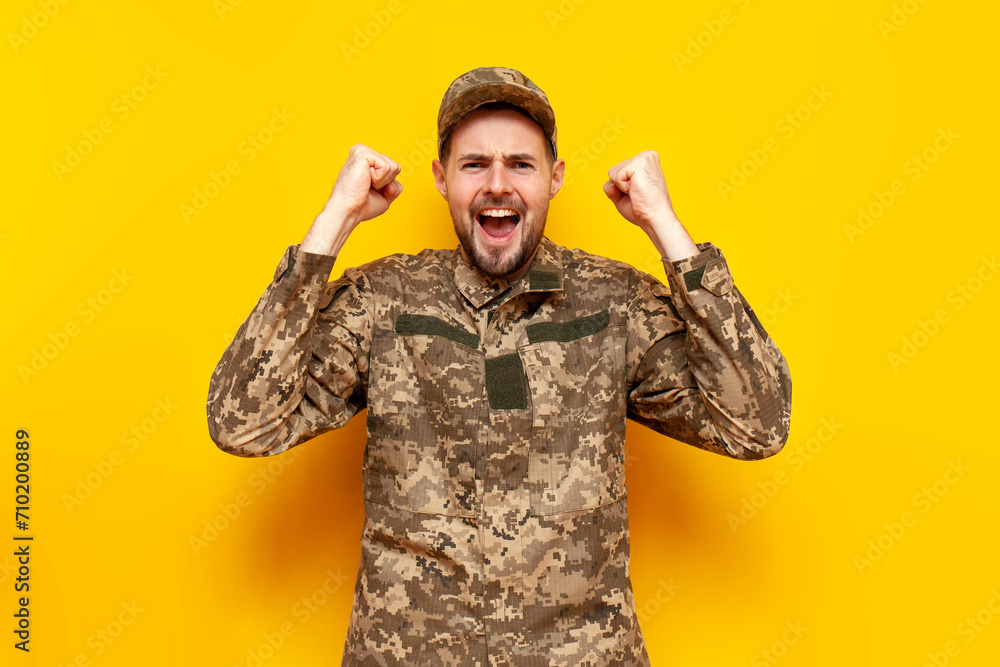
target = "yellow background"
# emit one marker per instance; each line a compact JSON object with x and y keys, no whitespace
{"x":709,"y":591}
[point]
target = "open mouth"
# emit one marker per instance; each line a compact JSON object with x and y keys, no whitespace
{"x":498,"y":223}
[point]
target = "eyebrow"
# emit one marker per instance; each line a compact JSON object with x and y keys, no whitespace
{"x":522,"y":157}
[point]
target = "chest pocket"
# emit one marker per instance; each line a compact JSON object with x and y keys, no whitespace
{"x":425,"y":408}
{"x":575,"y":373}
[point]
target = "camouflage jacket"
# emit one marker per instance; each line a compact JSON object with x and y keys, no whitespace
{"x":496,"y":523}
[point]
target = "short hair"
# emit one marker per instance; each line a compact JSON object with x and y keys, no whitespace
{"x":497,"y":106}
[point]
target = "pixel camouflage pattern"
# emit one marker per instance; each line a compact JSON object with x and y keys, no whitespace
{"x":496,"y":520}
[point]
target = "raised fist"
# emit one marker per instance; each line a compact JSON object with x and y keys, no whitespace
{"x":639,"y":191}
{"x":365,"y":186}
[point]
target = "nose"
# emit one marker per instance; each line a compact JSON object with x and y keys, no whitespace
{"x":498,"y":180}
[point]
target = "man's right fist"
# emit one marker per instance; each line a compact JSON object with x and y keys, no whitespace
{"x":365,"y":187}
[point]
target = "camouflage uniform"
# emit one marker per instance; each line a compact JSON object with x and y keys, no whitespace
{"x":496,"y":527}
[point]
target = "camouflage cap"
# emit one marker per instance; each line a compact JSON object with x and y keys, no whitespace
{"x":484,"y":85}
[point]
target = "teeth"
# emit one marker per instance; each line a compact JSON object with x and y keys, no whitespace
{"x":498,"y":212}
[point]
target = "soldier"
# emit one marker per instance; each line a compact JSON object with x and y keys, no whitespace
{"x":497,"y":378}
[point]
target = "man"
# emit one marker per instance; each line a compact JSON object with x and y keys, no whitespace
{"x":497,"y":378}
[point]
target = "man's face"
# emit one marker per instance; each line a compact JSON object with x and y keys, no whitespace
{"x":498,"y":183}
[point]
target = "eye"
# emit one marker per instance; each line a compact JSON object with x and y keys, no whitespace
{"x":473,"y":165}
{"x":523,"y":165}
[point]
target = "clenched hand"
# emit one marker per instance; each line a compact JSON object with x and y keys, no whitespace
{"x":639,"y":192}
{"x":365,"y":188}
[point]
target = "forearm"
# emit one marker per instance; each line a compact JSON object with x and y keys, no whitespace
{"x":671,"y":238}
{"x":257,"y":387}
{"x":742,"y":377}
{"x":328,"y":232}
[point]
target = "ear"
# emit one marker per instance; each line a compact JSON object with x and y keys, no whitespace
{"x":558,"y":172}
{"x":439,"y":179}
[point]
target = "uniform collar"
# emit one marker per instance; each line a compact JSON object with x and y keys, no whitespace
{"x":545,"y":274}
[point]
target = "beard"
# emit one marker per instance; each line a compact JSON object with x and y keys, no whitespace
{"x":499,"y":262}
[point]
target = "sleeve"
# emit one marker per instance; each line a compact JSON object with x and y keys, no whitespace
{"x":298,"y":365}
{"x":702,"y":369}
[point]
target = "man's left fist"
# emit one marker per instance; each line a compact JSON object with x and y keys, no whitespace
{"x":639,"y":191}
